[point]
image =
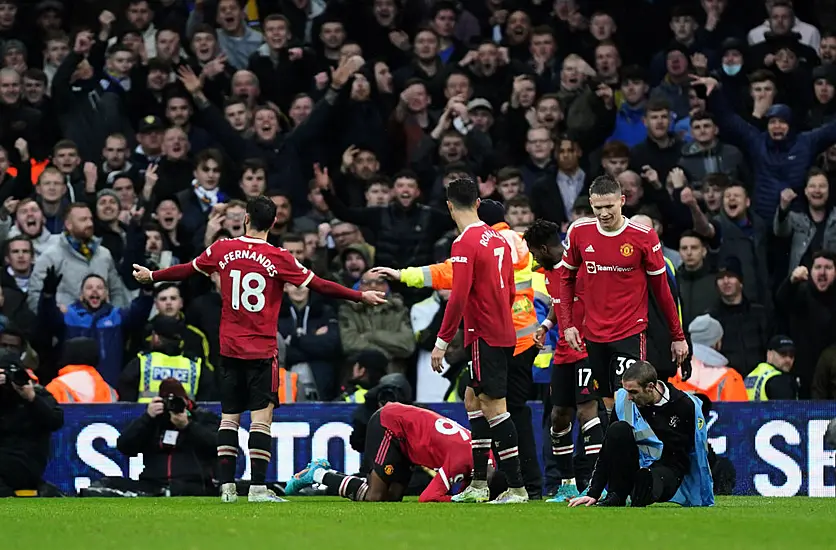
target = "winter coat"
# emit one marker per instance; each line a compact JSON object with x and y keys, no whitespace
{"x":721,"y":157}
{"x":801,"y":228}
{"x":384,"y":328}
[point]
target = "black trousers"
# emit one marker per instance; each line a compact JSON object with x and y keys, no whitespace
{"x":619,"y":462}
{"x":520,"y":390}
{"x":120,"y":487}
{"x":15,"y":474}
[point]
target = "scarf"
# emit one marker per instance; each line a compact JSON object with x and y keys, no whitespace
{"x":86,"y":249}
{"x":207,"y":197}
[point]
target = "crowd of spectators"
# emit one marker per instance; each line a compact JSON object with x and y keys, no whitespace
{"x":131,"y":131}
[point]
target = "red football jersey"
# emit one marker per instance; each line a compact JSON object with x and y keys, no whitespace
{"x":616,"y":268}
{"x":563,"y":354}
{"x":432,"y":441}
{"x":483,"y":288}
{"x":253,"y":273}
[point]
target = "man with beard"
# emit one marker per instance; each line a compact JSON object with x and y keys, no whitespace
{"x":174,"y":170}
{"x":115,"y":161}
{"x":357,"y":167}
{"x":91,"y":315}
{"x":807,"y":298}
{"x":811,"y":229}
{"x":661,"y":150}
{"x":29,"y":223}
{"x":77,"y":254}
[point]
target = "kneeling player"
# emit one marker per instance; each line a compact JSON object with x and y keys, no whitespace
{"x":398,"y":438}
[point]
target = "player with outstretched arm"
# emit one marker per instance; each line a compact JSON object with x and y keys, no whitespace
{"x":483,"y":291}
{"x":253,"y":274}
{"x":619,"y":258}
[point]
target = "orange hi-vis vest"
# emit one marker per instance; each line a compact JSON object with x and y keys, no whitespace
{"x":81,"y":384}
{"x":287,"y":386}
{"x":440,"y":277}
{"x":716,"y":383}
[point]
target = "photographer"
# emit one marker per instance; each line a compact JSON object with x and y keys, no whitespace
{"x":178,"y":442}
{"x":655,"y":449}
{"x":28,"y":415}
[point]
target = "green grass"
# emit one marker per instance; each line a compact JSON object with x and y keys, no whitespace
{"x":329,"y":523}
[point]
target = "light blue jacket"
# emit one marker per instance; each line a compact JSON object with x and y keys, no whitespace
{"x":697,"y":487}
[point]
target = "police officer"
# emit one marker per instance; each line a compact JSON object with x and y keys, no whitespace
{"x":655,"y":449}
{"x":771,"y":380}
{"x":140,"y":380}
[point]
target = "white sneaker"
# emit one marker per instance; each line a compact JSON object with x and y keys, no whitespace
{"x":229,"y":493}
{"x":507,"y":497}
{"x":263,"y":494}
{"x":473,"y":494}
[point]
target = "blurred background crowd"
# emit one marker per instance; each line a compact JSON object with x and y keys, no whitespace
{"x":131,"y":131}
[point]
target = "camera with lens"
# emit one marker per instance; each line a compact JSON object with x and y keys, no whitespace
{"x":11,"y":364}
{"x":174,"y":404}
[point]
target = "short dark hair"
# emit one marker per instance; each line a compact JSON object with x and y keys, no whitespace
{"x":642,"y":373}
{"x":162,"y":287}
{"x":690,"y":233}
{"x":262,"y":213}
{"x":762,"y":75}
{"x":605,"y":185}
{"x":508,"y":173}
{"x":253,"y":165}
{"x":406,"y":174}
{"x":209,"y":154}
{"x":717,"y":179}
{"x":35,"y":74}
{"x":8,"y":244}
{"x":655,"y":104}
{"x":702,"y":115}
{"x":293,"y":238}
{"x":92,"y":276}
{"x":615,"y":149}
{"x":463,"y":193}
{"x":826,"y":254}
{"x":520,"y":201}
{"x":816,"y":171}
{"x":383,"y":179}
{"x":457,"y":167}
{"x":542,"y":233}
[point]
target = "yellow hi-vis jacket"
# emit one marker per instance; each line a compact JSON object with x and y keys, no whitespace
{"x":440,"y":277}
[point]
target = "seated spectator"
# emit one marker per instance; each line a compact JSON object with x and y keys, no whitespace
{"x":811,"y":229}
{"x":142,"y":377}
{"x":367,"y":368}
{"x":746,"y":325}
{"x":78,"y":380}
{"x":77,"y":254}
{"x":178,"y":442}
{"x":772,"y":379}
{"x":695,"y":279}
{"x":312,"y":334}
{"x":28,"y":416}
{"x":92,"y":315}
{"x":807,"y":302}
{"x":383,"y":328}
{"x":709,"y":374}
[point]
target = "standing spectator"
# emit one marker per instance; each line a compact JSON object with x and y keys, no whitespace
{"x":312,"y":333}
{"x":745,"y":235}
{"x":92,"y":315}
{"x":384,"y":328}
{"x":661,"y":149}
{"x":237,"y":41}
{"x":781,"y":20}
{"x":29,"y":224}
{"x":204,"y":196}
{"x":746,"y":325}
{"x":76,"y":254}
{"x":706,"y":154}
{"x":807,"y":299}
{"x":697,"y":284}
{"x":78,"y":380}
{"x":811,"y":229}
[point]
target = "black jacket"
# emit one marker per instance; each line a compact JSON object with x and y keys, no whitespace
{"x":26,"y":428}
{"x":189,"y":460}
{"x":746,"y":330}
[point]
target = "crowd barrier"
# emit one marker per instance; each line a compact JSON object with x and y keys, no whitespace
{"x":777,"y":448}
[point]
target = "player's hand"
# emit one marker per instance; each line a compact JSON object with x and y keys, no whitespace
{"x":437,"y":359}
{"x":155,"y":407}
{"x":388,"y":272}
{"x":540,"y":336}
{"x":142,"y":274}
{"x":374,"y":297}
{"x":573,"y":338}
{"x":582,"y":501}
{"x":679,"y":352}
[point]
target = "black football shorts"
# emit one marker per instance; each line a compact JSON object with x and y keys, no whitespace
{"x":609,"y":360}
{"x":489,"y":369}
{"x":572,"y":384}
{"x":248,"y":384}
{"x":384,"y":452}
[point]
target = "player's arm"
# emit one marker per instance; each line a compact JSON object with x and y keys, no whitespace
{"x":291,"y":271}
{"x":462,"y":260}
{"x":204,"y":264}
{"x":435,"y":276}
{"x":568,"y":271}
{"x":656,"y":269}
{"x":437,"y":490}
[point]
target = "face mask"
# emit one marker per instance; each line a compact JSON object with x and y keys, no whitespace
{"x":732,"y":70}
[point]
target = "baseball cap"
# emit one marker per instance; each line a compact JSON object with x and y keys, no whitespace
{"x":479,"y":103}
{"x":782,"y":344}
{"x":150,"y":123}
{"x":731,"y":266}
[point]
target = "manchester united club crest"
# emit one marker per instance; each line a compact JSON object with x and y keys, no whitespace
{"x":626,"y":250}
{"x":389,"y":469}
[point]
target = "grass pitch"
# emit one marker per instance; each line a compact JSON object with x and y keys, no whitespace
{"x":336,"y":524}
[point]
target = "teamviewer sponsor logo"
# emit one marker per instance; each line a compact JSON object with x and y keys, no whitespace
{"x":592,"y":268}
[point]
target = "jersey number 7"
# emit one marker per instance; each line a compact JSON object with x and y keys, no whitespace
{"x":499,"y":252}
